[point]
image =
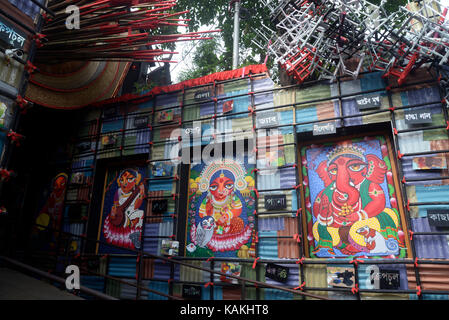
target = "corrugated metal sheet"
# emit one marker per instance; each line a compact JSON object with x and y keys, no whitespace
{"x":288,"y":177}
{"x":268,"y":247}
{"x":159,"y":286}
{"x":232,"y":293}
{"x":128,"y":292}
{"x":217,"y":293}
{"x":151,"y":245}
{"x":275,"y":294}
{"x":431,"y":194}
{"x":195,"y":275}
{"x":429,"y":246}
{"x":316,"y":276}
{"x":122,"y":267}
{"x":27,"y":7}
{"x":288,"y":248}
{"x":270,"y":223}
{"x":112,"y":288}
{"x":410,"y":173}
{"x":432,"y":276}
{"x":93,"y":282}
{"x":161,"y":270}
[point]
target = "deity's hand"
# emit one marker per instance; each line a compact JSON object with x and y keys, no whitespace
{"x":350,"y":218}
{"x":113,"y":211}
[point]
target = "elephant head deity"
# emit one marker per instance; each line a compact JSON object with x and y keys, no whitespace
{"x":352,"y":193}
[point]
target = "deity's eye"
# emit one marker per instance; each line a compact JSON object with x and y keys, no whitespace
{"x":333,"y":171}
{"x":130,"y":180}
{"x":213,"y":187}
{"x":229,"y":186}
{"x":356,"y":167}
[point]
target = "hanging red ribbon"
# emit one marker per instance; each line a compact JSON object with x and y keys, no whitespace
{"x":5,"y":174}
{"x":418,"y":290}
{"x":29,"y":67}
{"x":255,"y":262}
{"x":15,"y":137}
{"x":355,"y":289}
{"x":21,"y":102}
{"x":297,"y":237}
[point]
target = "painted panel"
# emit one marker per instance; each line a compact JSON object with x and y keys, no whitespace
{"x":357,"y":215}
{"x":122,"y":209}
{"x":221,"y":204}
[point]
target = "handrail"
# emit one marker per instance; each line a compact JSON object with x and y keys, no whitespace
{"x":41,"y":273}
{"x":170,"y":260}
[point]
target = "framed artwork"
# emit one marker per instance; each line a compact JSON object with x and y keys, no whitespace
{"x":122,"y":209}
{"x":351,"y":199}
{"x":220,"y":210}
{"x":50,"y":215}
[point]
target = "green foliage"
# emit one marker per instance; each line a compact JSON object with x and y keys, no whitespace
{"x":207,"y":12}
{"x":205,"y":61}
{"x":218,"y":13}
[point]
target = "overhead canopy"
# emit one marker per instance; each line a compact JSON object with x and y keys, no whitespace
{"x":73,"y":85}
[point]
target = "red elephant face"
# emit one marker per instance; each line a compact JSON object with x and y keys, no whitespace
{"x":221,"y":188}
{"x":347,"y":173}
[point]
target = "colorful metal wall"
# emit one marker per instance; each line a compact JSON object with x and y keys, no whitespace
{"x":280,"y":234}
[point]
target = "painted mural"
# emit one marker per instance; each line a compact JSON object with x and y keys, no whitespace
{"x":350,"y":199}
{"x":50,"y":214}
{"x":123,"y":209}
{"x":221,"y":210}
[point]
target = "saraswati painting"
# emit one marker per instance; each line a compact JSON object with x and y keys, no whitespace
{"x":221,"y":210}
{"x":123,"y":210}
{"x":350,"y":200}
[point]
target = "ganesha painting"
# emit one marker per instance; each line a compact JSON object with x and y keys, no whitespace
{"x":220,"y":210}
{"x":350,"y":199}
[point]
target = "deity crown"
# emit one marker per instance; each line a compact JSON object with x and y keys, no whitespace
{"x":349,"y":150}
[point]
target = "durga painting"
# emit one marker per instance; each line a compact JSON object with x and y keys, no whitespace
{"x":220,"y":210}
{"x":350,"y":199}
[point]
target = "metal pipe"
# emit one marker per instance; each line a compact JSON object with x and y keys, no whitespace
{"x":235,"y":56}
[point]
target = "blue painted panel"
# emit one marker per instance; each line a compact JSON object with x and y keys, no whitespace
{"x":305,"y":114}
{"x":158,"y":185}
{"x":429,"y":246}
{"x":122,"y":267}
{"x":93,"y":282}
{"x":270,"y":224}
{"x":160,"y":287}
{"x":288,"y":177}
{"x":274,"y":294}
{"x":431,"y":194}
{"x":268,"y":247}
{"x":162,"y":270}
{"x":218,"y":293}
{"x":372,"y":81}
